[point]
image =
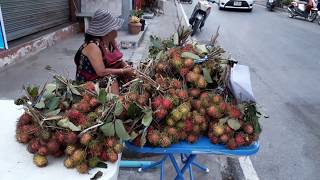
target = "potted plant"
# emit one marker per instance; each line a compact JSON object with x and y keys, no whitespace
{"x":134,"y":25}
{"x":139,"y":13}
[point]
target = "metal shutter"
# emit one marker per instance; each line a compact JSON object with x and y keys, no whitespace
{"x":24,"y":17}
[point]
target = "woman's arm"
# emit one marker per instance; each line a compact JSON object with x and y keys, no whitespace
{"x":95,"y":57}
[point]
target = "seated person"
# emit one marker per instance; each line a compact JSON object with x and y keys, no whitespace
{"x":99,"y":55}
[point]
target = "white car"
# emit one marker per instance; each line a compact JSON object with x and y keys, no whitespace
{"x":236,"y":4}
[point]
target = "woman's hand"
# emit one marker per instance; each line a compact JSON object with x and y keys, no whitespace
{"x":129,"y":71}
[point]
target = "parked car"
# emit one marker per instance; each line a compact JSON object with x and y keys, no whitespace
{"x":236,"y":4}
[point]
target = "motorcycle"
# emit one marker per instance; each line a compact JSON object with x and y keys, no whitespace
{"x":187,"y":1}
{"x":299,"y":9}
{"x":199,"y":15}
{"x":270,"y":4}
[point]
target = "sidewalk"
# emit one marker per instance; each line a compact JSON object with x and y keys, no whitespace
{"x":60,"y":57}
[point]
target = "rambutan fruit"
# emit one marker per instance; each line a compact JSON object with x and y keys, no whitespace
{"x":104,"y":156}
{"x":78,"y":155}
{"x":204,"y":126}
{"x":188,"y":63}
{"x":160,"y":114}
{"x":142,"y":100}
{"x":84,"y":107}
{"x":92,"y":116}
{"x":182,"y":135}
{"x":248,"y":128}
{"x":53,"y":146}
{"x":204,"y":96}
{"x":93,"y":162}
{"x":113,"y":157}
{"x":93,"y":102}
{"x":167,"y":103}
{"x":70,"y":138}
{"x":217,"y":99}
{"x":198,"y":119}
{"x":89,"y":86}
{"x":180,"y":124}
{"x":232,"y":144}
{"x":172,"y":92}
{"x":223,"y":107}
{"x":197,"y":70}
{"x":73,"y":114}
{"x":234,"y":113}
{"x":157,"y":102}
{"x":43,"y":151}
{"x":213,"y":112}
{"x":164,"y":141}
{"x":58,"y":154}
{"x":59,"y":137}
{"x":85,"y":138}
{"x":82,"y":168}
{"x":133,"y":96}
{"x":224,"y":138}
{"x":218,"y":129}
{"x":45,"y":135}
{"x":154,"y":137}
{"x":110,"y":142}
{"x":86,"y":98}
{"x":188,"y":126}
{"x":201,"y":82}
{"x":182,"y":94}
{"x":23,"y":138}
{"x":25,"y":119}
{"x":33,"y":146}
{"x":176,"y":84}
{"x":192,"y":138}
{"x":70,"y":150}
{"x":228,"y":129}
{"x":196,"y":129}
{"x":196,"y":104}
{"x":170,"y":122}
{"x":192,"y":77}
{"x":68,"y":163}
{"x":202,"y":111}
{"x":239,"y":138}
{"x":40,"y":161}
{"x":172,"y":132}
{"x":214,"y":139}
{"x":118,"y":148}
{"x":194,"y":92}
{"x":183,"y":72}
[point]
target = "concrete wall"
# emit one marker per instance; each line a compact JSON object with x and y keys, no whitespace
{"x":90,"y":6}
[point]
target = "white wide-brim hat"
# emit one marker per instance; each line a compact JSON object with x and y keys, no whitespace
{"x":103,"y":22}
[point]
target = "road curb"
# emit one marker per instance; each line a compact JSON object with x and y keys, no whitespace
{"x":34,"y":46}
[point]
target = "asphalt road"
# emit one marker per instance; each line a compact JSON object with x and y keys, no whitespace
{"x":283,"y":57}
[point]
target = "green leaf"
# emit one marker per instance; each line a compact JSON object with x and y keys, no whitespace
{"x":102,"y":96}
{"x":102,"y":165}
{"x":108,"y":129}
{"x":223,"y":120}
{"x":53,"y":113}
{"x":49,"y":89}
{"x":53,"y":103}
{"x":40,"y":104}
{"x":133,"y":111}
{"x":147,"y":118}
{"x":234,"y":124}
{"x":74,"y":90}
{"x":33,"y":91}
{"x":159,"y":55}
{"x":97,"y":88}
{"x":133,"y":135}
{"x":121,"y":131}
{"x":207,"y":75}
{"x":67,"y":124}
{"x":189,"y":55}
{"x":143,"y":139}
{"x":176,"y":39}
{"x":118,"y":109}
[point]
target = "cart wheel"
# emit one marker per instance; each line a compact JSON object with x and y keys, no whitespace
{"x":207,"y":170}
{"x":140,"y":170}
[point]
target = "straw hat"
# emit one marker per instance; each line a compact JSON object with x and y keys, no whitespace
{"x":103,"y":22}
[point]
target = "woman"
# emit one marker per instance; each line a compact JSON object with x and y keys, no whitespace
{"x":99,"y":56}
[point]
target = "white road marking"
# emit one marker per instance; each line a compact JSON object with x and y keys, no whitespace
{"x":184,"y":13}
{"x":245,"y":162}
{"x":247,"y":168}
